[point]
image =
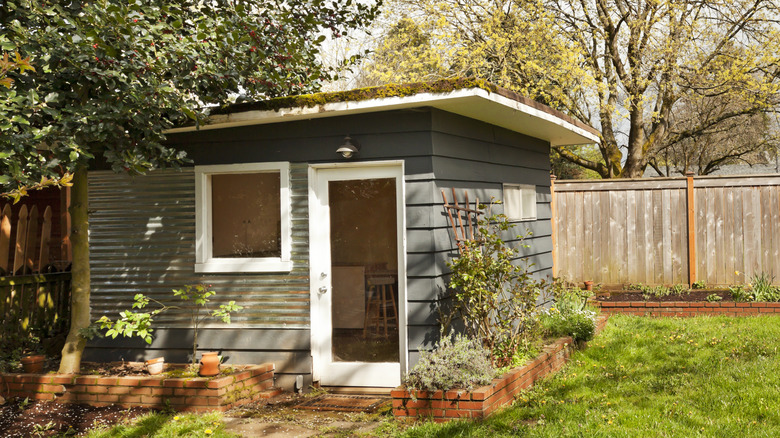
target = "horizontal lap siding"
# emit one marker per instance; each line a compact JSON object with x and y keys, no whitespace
{"x":143,"y":237}
{"x":471,"y":156}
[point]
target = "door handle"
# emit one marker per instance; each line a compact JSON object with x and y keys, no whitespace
{"x":323,"y":289}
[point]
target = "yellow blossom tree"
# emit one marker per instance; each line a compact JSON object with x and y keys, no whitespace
{"x":626,"y":67}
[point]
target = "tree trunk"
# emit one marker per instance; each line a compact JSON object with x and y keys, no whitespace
{"x":80,"y":309}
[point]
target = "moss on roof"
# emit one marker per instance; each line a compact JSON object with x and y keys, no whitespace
{"x":392,"y":90}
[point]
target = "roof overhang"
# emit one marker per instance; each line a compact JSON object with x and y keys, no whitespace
{"x":526,"y":116}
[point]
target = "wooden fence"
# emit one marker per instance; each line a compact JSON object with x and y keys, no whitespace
{"x":721,"y":230}
{"x":34,"y":296}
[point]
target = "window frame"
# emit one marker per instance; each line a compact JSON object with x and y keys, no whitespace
{"x":204,"y":260}
{"x":521,"y":188}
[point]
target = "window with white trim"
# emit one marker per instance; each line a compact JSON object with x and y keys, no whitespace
{"x":243,"y":218}
{"x":520,"y":202}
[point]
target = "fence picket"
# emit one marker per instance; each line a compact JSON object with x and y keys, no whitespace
{"x":43,"y":256}
{"x":21,"y":240}
{"x":5,"y":238}
{"x":32,"y":241}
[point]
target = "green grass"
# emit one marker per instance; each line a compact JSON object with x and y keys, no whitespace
{"x":642,"y":377}
{"x":161,"y":425}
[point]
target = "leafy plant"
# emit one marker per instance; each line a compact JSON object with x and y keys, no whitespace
{"x":712,"y":298}
{"x":461,"y":363}
{"x":579,"y":324}
{"x":199,"y":295}
{"x":740,"y":293}
{"x":140,"y":323}
{"x":495,"y":297}
{"x":763,"y":289}
{"x":701,"y":284}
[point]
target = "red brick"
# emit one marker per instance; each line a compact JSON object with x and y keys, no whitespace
{"x":242,"y":375}
{"x":153,"y":381}
{"x":196,"y":401}
{"x":743,"y":304}
{"x":86,"y":397}
{"x":197,"y":383}
{"x":471,"y":405}
{"x":97,"y":389}
{"x":775,"y":305}
{"x":86,"y":380}
{"x":106,"y":381}
{"x":130,"y":399}
{"x":173,"y":383}
{"x":766,"y":310}
{"x":62,"y":379}
{"x":129,"y":381}
{"x":398,"y":393}
{"x":728,"y":304}
{"x":161,"y":391}
{"x":220,"y":382}
{"x":757,"y":304}
{"x":151,"y":399}
{"x":108,"y":398}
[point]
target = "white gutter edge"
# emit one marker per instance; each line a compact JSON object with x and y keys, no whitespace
{"x":257,"y":117}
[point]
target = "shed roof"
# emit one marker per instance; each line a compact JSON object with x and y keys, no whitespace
{"x":473,"y":98}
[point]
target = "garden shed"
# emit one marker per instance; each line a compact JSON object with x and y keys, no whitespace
{"x":322,"y":215}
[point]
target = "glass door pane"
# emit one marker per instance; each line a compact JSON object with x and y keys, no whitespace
{"x":364,"y":265}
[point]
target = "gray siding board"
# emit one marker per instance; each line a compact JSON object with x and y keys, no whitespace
{"x":529,"y":155}
{"x":466,"y":170}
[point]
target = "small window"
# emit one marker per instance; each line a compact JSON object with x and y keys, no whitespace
{"x":520,"y":202}
{"x":242,"y":218}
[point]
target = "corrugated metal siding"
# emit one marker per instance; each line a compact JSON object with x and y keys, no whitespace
{"x":142,"y":240}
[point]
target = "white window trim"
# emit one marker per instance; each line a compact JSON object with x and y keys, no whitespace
{"x":204,"y":262}
{"x":522,"y":187}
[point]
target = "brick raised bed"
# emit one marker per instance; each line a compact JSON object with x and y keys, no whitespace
{"x":448,"y":405}
{"x":686,"y":308}
{"x":199,"y":394}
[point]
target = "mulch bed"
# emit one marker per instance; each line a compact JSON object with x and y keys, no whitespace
{"x":697,"y":295}
{"x":46,"y":418}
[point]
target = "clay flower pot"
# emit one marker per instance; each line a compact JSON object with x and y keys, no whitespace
{"x":209,"y":364}
{"x":155,"y":366}
{"x":33,"y":364}
{"x":589,"y":285}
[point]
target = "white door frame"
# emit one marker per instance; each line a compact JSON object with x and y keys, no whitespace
{"x":324,"y":369}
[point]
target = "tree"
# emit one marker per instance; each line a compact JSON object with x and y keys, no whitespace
{"x":626,"y":67}
{"x":111,"y":76}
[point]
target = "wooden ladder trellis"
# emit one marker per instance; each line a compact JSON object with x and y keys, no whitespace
{"x":471,"y":218}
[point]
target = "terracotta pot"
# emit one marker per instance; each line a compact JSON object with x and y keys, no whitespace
{"x":33,"y":364}
{"x":155,"y":366}
{"x":209,"y":364}
{"x":589,"y":285}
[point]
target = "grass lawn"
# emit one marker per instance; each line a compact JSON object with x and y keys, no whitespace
{"x":161,"y":425}
{"x":642,"y":377}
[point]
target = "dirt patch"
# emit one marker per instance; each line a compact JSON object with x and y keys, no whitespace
{"x":696,"y":295}
{"x":45,"y":418}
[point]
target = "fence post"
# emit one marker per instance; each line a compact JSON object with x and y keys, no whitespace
{"x":691,"y":231}
{"x":553,"y":233}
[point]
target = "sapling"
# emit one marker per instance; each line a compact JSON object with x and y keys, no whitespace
{"x":199,"y":295}
{"x":139,"y":323}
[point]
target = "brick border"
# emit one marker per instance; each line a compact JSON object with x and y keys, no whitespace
{"x":443,"y":406}
{"x":248,"y":383}
{"x":686,"y":308}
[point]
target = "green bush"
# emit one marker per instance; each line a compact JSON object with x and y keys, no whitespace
{"x":495,"y":293}
{"x":459,"y":364}
{"x":580,"y":325}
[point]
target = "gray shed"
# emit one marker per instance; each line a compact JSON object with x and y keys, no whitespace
{"x":338,"y":259}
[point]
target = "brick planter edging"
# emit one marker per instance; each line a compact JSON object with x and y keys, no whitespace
{"x":198,"y":394}
{"x":686,"y":308}
{"x":448,"y":405}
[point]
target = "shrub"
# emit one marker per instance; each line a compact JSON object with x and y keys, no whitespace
{"x":763,"y":289}
{"x":459,"y":364}
{"x":495,"y":297}
{"x":580,"y":325}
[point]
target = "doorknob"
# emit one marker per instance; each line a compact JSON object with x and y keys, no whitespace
{"x":323,"y":289}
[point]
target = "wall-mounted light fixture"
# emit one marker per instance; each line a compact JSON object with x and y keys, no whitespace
{"x":348,"y":149}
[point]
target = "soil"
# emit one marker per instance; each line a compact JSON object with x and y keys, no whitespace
{"x":695,"y":295}
{"x":46,"y":418}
